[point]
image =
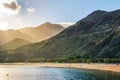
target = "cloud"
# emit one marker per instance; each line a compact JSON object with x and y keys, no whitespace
{"x":66,"y":24}
{"x":31,"y":10}
{"x":12,"y":6}
{"x":1,"y":16}
{"x":8,"y":10}
{"x":3,"y":25}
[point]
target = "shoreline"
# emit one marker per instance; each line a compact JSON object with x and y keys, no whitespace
{"x":92,"y":66}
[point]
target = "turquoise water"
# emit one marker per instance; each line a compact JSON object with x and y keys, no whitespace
{"x":37,"y":73}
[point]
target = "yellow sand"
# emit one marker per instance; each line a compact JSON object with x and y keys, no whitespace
{"x":107,"y":67}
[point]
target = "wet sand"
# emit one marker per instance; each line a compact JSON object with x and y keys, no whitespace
{"x":97,"y":66}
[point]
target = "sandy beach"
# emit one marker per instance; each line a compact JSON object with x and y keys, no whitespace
{"x":107,"y":67}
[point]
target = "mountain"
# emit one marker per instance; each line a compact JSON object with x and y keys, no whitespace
{"x":6,"y":36}
{"x":96,"y":36}
{"x":43,"y":32}
{"x":35,"y":34}
{"x":13,"y":44}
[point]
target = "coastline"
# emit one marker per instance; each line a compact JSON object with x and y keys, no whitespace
{"x":93,"y":66}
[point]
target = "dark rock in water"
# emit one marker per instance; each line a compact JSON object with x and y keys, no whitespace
{"x":7,"y":74}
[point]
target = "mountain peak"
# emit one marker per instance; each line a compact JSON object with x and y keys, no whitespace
{"x":98,"y":11}
{"x":94,"y":17}
{"x":46,"y":24}
{"x":50,"y":25}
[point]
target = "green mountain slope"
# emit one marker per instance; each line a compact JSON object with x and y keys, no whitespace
{"x":13,"y":44}
{"x":8,"y":35}
{"x":95,"y":36}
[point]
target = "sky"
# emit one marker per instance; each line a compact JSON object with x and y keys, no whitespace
{"x":15,"y":14}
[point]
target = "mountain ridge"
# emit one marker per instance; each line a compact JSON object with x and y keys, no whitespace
{"x":13,"y":44}
{"x":93,"y":37}
{"x":43,"y":32}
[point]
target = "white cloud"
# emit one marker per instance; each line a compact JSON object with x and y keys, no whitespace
{"x":20,"y":23}
{"x":1,"y":16}
{"x":31,"y":10}
{"x":66,"y":24}
{"x":3,"y":25}
{"x":9,"y":7}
